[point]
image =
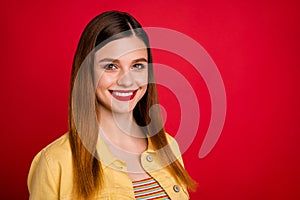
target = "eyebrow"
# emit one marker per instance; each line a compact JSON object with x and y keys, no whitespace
{"x":116,"y":60}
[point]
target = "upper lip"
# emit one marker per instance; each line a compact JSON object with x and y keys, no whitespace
{"x":122,"y":91}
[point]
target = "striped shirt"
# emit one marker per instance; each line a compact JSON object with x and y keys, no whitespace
{"x":148,"y":189}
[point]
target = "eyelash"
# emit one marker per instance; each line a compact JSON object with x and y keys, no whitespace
{"x":138,"y":64}
{"x":112,"y":66}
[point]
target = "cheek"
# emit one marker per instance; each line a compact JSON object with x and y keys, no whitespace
{"x":141,"y":79}
{"x":144,"y":88}
{"x":105,"y":82}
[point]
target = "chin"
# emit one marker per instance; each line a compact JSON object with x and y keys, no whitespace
{"x":121,"y":107}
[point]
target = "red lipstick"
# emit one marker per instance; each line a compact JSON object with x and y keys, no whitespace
{"x":123,"y":95}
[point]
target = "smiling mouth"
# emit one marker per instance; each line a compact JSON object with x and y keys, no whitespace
{"x":123,"y":95}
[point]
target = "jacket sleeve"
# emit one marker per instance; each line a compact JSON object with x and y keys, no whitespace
{"x":41,"y":181}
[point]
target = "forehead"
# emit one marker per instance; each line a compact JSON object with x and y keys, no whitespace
{"x":121,"y":47}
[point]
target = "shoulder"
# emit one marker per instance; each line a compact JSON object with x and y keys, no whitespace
{"x":61,"y":144}
{"x":170,"y":138}
{"x":57,"y":150}
{"x":172,"y":142}
{"x":174,"y":147}
{"x":48,"y":168}
{"x":51,"y":159}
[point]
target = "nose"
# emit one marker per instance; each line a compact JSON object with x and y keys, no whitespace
{"x":126,"y":79}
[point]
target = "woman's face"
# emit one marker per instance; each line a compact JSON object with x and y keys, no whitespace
{"x":121,"y":74}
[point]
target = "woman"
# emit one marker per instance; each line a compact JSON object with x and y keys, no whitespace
{"x":115,"y":148}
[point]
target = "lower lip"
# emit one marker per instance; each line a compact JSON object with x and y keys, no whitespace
{"x":126,"y":98}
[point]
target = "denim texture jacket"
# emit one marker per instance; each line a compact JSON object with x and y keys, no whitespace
{"x":51,"y":174}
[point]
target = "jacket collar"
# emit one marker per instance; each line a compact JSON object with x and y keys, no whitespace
{"x":105,"y":155}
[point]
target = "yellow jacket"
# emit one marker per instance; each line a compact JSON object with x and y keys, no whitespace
{"x":51,"y":176}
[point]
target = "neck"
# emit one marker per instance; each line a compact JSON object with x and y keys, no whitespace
{"x":122,"y":131}
{"x":119,"y":126}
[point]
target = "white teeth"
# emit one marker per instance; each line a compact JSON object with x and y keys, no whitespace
{"x":123,"y":94}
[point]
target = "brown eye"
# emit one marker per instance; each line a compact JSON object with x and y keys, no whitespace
{"x":110,"y":67}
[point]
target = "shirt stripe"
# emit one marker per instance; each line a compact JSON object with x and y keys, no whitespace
{"x":149,"y":189}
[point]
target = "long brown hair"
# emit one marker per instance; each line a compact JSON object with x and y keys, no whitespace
{"x":83,"y":124}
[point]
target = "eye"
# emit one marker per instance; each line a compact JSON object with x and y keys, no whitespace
{"x":138,"y":66}
{"x":110,"y":66}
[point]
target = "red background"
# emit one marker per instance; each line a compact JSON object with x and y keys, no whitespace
{"x":255,"y":46}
